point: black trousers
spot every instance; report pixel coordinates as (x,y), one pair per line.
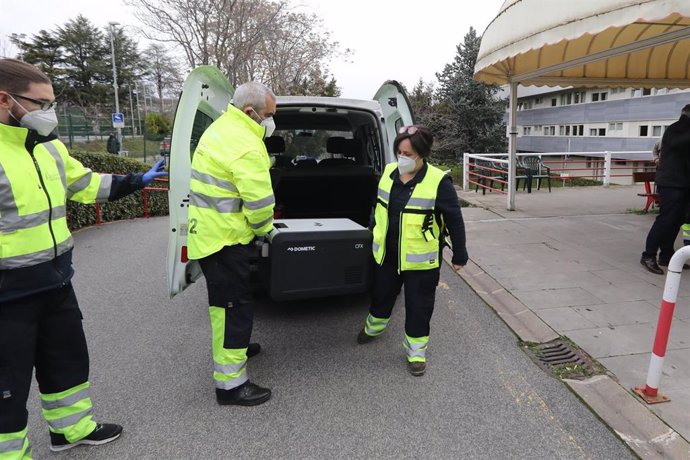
(420,295)
(673,210)
(229,286)
(44,331)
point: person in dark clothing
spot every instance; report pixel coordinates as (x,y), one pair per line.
(673,185)
(40,319)
(416,206)
(113,145)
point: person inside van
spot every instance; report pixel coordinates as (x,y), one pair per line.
(416,205)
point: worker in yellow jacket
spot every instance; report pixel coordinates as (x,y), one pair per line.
(40,320)
(230,204)
(415,207)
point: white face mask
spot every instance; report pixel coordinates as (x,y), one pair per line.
(269,124)
(43,121)
(406,165)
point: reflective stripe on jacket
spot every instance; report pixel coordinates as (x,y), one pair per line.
(34,187)
(419,230)
(231,199)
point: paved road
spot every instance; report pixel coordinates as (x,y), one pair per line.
(481,397)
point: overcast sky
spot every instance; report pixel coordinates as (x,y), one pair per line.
(402,40)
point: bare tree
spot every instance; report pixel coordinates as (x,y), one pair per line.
(161,71)
(247,39)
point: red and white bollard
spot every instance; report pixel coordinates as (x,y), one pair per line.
(650,391)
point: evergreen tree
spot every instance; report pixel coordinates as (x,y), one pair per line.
(43,50)
(471,112)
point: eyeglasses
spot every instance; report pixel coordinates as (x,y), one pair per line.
(43,104)
(410,130)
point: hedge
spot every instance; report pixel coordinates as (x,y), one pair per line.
(83,215)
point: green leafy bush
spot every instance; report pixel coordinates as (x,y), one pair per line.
(83,215)
(157,125)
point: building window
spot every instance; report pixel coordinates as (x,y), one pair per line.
(561,130)
(646,91)
(526,130)
(554,102)
(552,130)
(539,100)
(612,126)
(600,96)
(656,131)
(592,131)
(602,131)
(644,131)
(619,126)
(567,130)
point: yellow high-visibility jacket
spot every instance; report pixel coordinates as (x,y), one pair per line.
(231,199)
(420,232)
(37,176)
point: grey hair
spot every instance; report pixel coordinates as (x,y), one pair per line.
(252,94)
(686,110)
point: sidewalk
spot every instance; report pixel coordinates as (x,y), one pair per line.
(569,261)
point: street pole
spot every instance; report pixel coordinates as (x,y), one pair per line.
(131,108)
(136,92)
(118,132)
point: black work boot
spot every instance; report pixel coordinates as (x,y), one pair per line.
(664,263)
(363,337)
(650,264)
(247,394)
(416,368)
(253,349)
(102,434)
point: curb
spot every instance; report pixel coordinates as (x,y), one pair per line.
(637,426)
(523,321)
(645,433)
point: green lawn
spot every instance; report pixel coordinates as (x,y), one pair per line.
(134,145)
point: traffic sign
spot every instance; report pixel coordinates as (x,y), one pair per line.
(118,120)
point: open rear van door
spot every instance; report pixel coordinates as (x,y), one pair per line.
(205,96)
(396,108)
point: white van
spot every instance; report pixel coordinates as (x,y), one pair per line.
(328,154)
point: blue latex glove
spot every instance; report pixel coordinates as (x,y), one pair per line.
(155,172)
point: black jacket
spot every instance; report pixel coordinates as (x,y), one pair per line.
(447,205)
(21,282)
(674,162)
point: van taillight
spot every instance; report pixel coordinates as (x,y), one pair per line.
(183,255)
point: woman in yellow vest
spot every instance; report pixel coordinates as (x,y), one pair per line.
(416,205)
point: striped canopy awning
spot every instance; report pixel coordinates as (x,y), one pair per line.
(588,43)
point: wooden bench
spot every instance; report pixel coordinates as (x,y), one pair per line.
(647,177)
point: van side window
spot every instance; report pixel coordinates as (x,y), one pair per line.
(201,122)
(398,125)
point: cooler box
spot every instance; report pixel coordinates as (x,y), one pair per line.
(317,257)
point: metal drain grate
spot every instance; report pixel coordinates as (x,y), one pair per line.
(558,353)
(563,359)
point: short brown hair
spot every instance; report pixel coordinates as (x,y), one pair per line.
(16,75)
(420,137)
